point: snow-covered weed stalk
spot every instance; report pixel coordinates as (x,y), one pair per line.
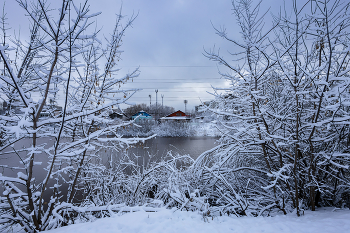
(285,118)
(165,184)
(58,85)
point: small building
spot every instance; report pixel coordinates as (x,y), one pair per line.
(57,110)
(118,115)
(177,116)
(141,115)
(44,114)
(51,111)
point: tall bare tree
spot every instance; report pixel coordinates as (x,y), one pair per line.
(58,86)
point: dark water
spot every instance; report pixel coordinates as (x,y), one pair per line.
(156,148)
(161,148)
(153,150)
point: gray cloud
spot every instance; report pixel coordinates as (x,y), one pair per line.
(167,42)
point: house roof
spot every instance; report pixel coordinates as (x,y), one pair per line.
(143,113)
(177,114)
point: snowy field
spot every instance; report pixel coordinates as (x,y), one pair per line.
(324,220)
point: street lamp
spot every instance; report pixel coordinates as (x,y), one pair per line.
(162,100)
(156,102)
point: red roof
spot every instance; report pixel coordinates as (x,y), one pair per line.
(177,114)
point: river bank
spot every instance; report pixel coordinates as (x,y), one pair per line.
(171,129)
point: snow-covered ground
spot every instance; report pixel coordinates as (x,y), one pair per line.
(324,220)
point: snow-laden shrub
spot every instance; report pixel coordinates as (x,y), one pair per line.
(165,129)
(285,116)
(59,85)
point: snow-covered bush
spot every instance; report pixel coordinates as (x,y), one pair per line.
(285,117)
(175,129)
(147,128)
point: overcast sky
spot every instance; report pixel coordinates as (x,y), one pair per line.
(167,41)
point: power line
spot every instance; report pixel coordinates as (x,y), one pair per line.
(170,88)
(180,97)
(176,79)
(192,66)
(158,81)
(213,78)
(179,101)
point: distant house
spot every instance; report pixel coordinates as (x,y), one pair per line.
(44,114)
(118,115)
(51,110)
(177,116)
(141,115)
(15,109)
(57,110)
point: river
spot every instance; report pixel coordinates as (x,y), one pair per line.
(152,150)
(160,148)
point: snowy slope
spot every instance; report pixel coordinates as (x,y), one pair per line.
(167,221)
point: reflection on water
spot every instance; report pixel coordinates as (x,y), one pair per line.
(158,147)
(153,150)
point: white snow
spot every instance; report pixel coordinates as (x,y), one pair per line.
(171,221)
(206,129)
(175,118)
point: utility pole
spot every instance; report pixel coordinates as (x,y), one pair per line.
(156,102)
(150,100)
(185,101)
(162,100)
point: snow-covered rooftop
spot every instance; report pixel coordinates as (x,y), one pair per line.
(175,118)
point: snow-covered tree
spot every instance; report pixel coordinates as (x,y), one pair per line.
(57,84)
(284,119)
(311,51)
